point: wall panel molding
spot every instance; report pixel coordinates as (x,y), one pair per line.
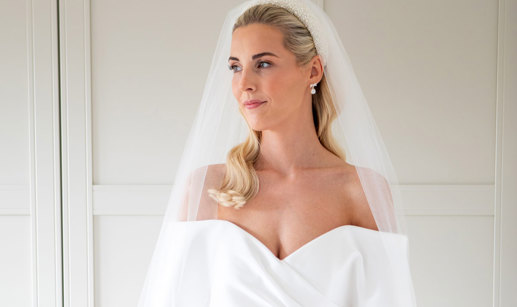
(42,199)
(505,228)
(76,149)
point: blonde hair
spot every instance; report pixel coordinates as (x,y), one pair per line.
(240,182)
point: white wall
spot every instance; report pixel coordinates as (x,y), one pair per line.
(94,114)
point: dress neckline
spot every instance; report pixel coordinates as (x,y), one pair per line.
(248,235)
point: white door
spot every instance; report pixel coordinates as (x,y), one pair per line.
(30,187)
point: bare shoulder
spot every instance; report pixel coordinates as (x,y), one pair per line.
(216,171)
(361,213)
(201,179)
(214,175)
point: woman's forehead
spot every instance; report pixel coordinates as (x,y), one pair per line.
(254,39)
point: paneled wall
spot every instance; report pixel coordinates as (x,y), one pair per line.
(97,98)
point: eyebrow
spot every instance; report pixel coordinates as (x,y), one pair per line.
(258,55)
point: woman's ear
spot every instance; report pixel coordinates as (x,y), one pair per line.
(316,69)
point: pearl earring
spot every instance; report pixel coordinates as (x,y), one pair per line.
(313,90)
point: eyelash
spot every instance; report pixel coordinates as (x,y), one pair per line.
(230,67)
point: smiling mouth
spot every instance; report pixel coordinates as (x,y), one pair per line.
(254,105)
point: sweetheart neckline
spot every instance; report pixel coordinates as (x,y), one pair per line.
(298,250)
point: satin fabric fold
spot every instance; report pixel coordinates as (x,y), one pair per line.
(223,265)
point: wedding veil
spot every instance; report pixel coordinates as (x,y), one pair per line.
(218,127)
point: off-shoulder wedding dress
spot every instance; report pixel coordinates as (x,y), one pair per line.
(227,266)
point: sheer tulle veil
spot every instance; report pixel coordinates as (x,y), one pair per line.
(218,127)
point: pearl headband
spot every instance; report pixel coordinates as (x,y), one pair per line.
(304,13)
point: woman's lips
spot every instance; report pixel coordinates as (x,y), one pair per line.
(254,105)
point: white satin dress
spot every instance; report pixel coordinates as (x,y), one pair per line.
(218,263)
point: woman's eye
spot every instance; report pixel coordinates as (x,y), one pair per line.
(232,67)
(264,63)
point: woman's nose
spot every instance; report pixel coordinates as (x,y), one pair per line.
(247,80)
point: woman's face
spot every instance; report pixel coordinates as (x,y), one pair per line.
(264,70)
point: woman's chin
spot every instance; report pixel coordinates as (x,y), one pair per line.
(257,126)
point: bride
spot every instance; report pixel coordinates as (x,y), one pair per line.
(288,216)
(306,188)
